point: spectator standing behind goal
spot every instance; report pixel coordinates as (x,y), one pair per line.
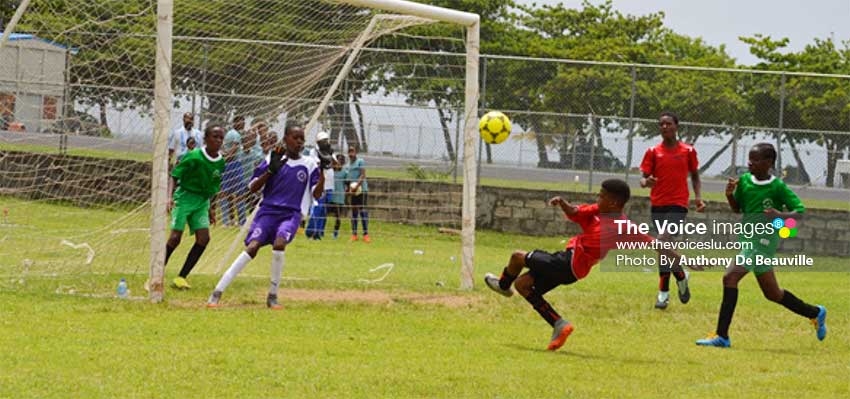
(323,154)
(177,140)
(358,189)
(190,144)
(665,170)
(232,183)
(336,205)
(194,183)
(250,157)
(286,179)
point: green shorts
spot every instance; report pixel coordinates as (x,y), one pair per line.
(747,259)
(190,208)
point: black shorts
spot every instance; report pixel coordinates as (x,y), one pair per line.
(671,213)
(550,270)
(359,200)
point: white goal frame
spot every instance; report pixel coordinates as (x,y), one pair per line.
(163,109)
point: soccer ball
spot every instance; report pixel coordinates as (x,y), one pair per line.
(354,188)
(494,127)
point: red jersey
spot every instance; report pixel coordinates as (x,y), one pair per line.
(671,167)
(599,235)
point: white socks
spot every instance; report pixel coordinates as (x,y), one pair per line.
(231,272)
(277,269)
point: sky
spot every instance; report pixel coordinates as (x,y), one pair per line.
(723,21)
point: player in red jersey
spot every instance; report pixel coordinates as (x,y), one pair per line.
(665,170)
(549,270)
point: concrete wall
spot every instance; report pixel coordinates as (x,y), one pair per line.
(523,211)
(81,181)
(89,181)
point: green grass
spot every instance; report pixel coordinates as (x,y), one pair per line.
(477,345)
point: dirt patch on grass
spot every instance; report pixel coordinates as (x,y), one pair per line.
(370,297)
(376,297)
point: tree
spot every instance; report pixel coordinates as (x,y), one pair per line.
(437,80)
(7,10)
(113,53)
(820,104)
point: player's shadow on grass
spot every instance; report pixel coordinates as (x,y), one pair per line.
(566,351)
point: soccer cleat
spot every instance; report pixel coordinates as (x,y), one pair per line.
(214,298)
(562,331)
(353,238)
(684,290)
(336,235)
(366,238)
(715,340)
(493,282)
(181,283)
(271,302)
(820,323)
(662,300)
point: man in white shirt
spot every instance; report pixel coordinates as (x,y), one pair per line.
(323,153)
(177,140)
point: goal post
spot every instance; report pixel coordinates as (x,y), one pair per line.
(162,124)
(472,23)
(163,111)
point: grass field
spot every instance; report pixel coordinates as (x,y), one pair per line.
(413,334)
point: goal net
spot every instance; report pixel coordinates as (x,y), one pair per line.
(77,139)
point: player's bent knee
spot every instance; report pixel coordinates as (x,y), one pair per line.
(773,296)
(524,285)
(518,257)
(730,280)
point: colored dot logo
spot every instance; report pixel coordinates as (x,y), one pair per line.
(787,228)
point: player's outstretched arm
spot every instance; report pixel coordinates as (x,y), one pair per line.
(569,209)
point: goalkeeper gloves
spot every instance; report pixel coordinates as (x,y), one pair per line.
(277,159)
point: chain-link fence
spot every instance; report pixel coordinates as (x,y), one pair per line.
(602,117)
(573,120)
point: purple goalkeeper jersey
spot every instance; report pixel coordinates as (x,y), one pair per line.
(291,187)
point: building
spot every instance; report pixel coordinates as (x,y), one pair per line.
(33,84)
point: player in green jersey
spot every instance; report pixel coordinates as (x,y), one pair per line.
(761,197)
(197,179)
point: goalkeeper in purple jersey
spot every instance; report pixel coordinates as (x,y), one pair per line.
(289,183)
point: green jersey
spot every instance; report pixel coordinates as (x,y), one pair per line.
(198,173)
(754,197)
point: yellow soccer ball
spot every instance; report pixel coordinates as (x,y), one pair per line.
(494,127)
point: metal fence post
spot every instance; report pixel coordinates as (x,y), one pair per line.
(419,143)
(482,95)
(203,88)
(458,115)
(781,124)
(593,131)
(734,163)
(631,122)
